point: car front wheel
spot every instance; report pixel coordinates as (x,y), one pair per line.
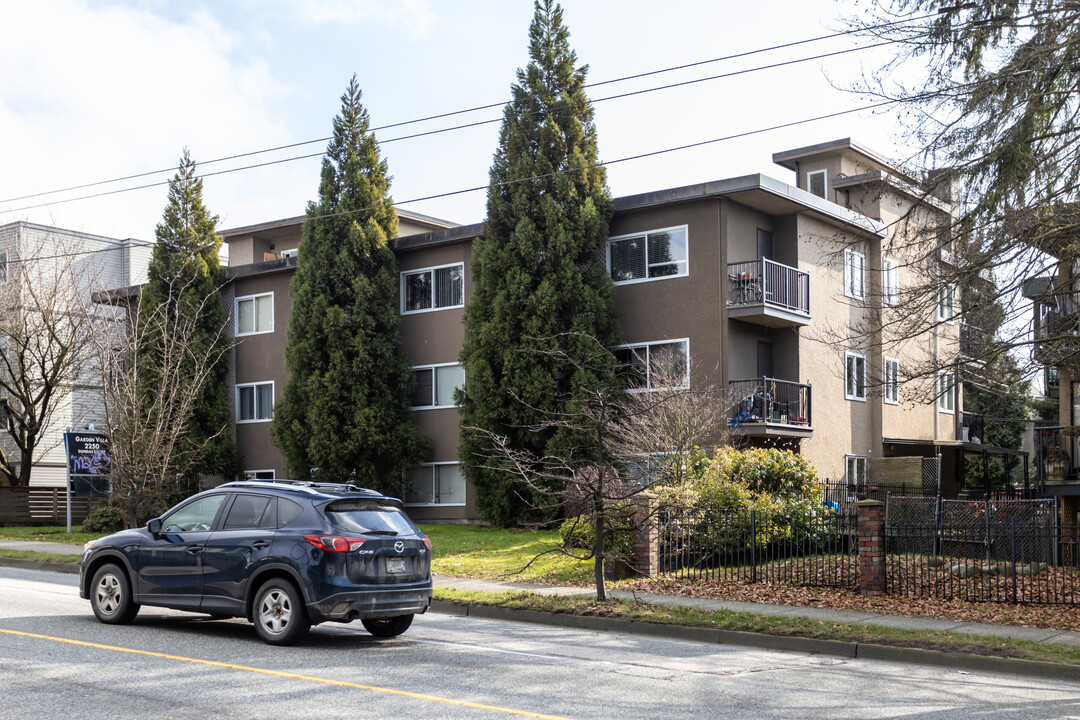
(387,626)
(110,596)
(280,618)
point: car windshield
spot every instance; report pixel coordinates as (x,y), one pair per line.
(369,517)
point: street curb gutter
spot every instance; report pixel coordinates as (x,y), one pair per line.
(839,648)
(26,563)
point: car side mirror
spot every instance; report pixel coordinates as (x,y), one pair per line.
(154,526)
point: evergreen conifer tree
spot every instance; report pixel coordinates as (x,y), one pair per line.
(185,277)
(345,411)
(539,277)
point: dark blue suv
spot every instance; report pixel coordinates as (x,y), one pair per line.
(283,554)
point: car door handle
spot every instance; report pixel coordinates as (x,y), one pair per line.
(195,549)
(260,544)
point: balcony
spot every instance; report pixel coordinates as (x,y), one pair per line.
(768,293)
(769,407)
(1057,330)
(972,428)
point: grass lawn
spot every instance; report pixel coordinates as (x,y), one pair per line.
(496,554)
(55,534)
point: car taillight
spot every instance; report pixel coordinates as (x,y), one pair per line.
(335,543)
(427,542)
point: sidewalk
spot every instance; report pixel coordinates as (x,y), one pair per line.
(795,644)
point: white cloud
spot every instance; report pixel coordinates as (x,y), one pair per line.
(110,90)
(414,16)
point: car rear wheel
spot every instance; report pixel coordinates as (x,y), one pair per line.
(387,626)
(280,618)
(110,596)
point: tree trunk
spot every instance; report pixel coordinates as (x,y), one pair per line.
(598,553)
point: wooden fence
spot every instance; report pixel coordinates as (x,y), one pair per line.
(41,506)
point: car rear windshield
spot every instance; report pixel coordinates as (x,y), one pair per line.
(370,517)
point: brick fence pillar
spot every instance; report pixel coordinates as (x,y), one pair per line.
(646,536)
(871,547)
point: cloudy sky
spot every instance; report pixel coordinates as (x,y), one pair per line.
(99,90)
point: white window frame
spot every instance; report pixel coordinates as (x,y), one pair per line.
(852,463)
(824,183)
(645,234)
(254,300)
(250,474)
(433,465)
(255,385)
(290,253)
(946,392)
(435,385)
(849,274)
(891,385)
(946,299)
(848,369)
(434,293)
(890,281)
(647,345)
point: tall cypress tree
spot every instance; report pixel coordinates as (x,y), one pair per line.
(185,277)
(539,278)
(345,409)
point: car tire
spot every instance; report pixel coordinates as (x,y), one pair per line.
(387,626)
(279,614)
(110,596)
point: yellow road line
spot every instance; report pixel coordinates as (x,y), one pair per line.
(292,676)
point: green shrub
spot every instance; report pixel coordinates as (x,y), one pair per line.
(105,519)
(580,532)
(782,474)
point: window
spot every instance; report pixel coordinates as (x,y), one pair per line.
(3,267)
(946,400)
(196,516)
(435,385)
(854,376)
(436,288)
(854,274)
(254,402)
(249,511)
(259,475)
(815,183)
(855,471)
(892,381)
(890,285)
(255,314)
(290,253)
(435,484)
(653,366)
(945,302)
(648,256)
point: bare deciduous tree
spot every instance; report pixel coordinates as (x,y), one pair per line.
(153,373)
(591,471)
(46,326)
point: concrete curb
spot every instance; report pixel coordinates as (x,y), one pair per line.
(837,648)
(28,564)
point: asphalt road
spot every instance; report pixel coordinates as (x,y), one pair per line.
(57,661)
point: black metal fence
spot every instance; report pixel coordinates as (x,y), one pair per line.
(798,549)
(1014,562)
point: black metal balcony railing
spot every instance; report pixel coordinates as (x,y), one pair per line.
(770,401)
(972,427)
(763,281)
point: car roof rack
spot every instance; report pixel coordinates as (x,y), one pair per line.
(308,485)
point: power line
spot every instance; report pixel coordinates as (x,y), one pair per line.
(489,106)
(533,178)
(439,131)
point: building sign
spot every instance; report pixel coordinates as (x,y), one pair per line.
(88,463)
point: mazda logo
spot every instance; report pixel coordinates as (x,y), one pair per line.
(399,546)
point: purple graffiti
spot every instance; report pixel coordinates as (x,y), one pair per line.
(95,464)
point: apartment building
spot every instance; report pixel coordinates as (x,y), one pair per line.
(1056,326)
(766,286)
(70,266)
